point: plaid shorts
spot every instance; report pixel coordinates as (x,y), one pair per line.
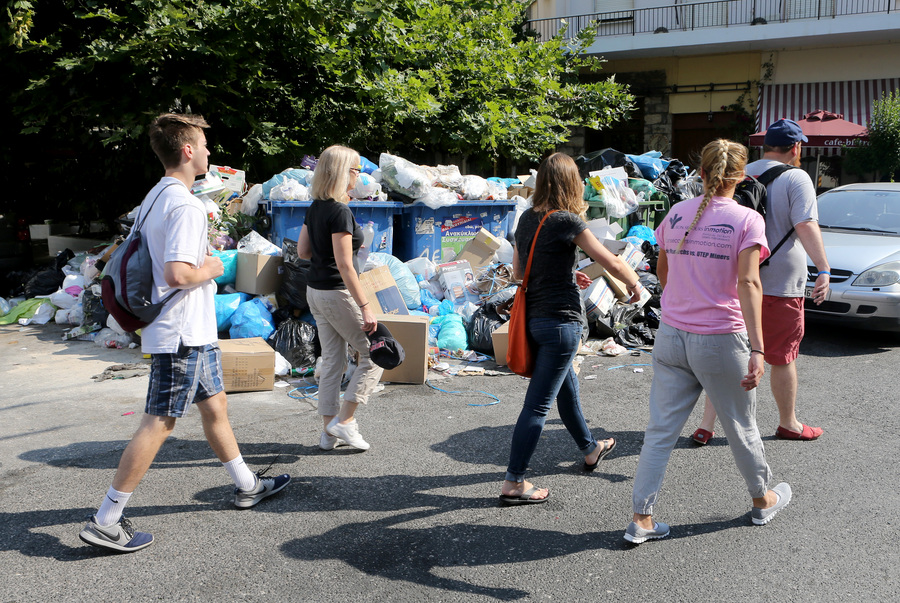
(178,380)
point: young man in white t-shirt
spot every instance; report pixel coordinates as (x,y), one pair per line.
(186,363)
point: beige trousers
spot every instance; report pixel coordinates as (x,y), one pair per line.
(339,322)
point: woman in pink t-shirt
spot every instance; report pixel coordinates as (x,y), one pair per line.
(710,337)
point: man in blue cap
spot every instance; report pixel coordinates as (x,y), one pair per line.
(791,212)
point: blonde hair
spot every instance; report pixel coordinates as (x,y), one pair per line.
(331,177)
(559,186)
(723,163)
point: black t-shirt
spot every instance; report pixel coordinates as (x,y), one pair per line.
(552,291)
(324,218)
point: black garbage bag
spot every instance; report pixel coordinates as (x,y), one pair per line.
(296,273)
(598,160)
(296,341)
(15,282)
(94,312)
(44,282)
(484,322)
(636,335)
(501,302)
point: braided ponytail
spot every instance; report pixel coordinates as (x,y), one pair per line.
(722,161)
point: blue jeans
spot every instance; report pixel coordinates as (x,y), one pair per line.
(556,343)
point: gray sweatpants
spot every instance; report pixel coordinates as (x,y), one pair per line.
(685,364)
(339,322)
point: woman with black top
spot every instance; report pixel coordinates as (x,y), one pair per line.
(554,319)
(331,238)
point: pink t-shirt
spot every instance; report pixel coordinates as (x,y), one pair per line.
(701,287)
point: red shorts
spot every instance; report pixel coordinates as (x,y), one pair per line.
(782,323)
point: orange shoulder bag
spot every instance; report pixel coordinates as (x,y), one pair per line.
(519,356)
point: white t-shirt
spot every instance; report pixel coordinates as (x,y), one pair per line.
(176,231)
(791,200)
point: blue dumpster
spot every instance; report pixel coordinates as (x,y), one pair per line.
(441,233)
(287,220)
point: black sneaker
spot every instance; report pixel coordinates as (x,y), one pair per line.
(265,486)
(120,537)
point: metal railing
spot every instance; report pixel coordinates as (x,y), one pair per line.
(724,13)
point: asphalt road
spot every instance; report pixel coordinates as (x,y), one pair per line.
(416,517)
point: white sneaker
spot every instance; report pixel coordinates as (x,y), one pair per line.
(329,442)
(349,432)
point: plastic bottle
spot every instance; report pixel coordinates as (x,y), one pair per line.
(368,237)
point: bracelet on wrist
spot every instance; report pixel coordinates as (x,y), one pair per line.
(364,305)
(821,272)
(752,351)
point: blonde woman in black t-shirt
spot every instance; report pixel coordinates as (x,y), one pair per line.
(554,319)
(330,239)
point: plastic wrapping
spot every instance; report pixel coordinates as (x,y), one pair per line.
(289,190)
(404,176)
(436,197)
(107,338)
(250,201)
(253,242)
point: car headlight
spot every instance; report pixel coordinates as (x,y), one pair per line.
(879,276)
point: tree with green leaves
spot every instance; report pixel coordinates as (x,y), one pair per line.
(280,79)
(882,153)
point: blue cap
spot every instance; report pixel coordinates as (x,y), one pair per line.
(784,133)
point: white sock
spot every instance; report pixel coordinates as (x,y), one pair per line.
(111,509)
(240,473)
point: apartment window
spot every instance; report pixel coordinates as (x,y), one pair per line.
(611,6)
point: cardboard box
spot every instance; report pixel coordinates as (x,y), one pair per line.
(258,274)
(248,365)
(500,337)
(632,256)
(382,292)
(232,179)
(480,251)
(598,298)
(455,278)
(412,333)
(619,289)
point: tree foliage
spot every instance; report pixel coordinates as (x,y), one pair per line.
(279,79)
(882,154)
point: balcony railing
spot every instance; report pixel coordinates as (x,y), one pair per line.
(724,13)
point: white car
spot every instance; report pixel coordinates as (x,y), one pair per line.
(861,230)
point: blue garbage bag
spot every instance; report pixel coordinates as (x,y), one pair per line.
(229,261)
(226,305)
(300,175)
(649,163)
(644,233)
(251,319)
(367,166)
(452,335)
(403,276)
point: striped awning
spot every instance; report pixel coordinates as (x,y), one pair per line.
(793,101)
(853,99)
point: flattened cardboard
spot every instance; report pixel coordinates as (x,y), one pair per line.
(479,252)
(248,365)
(382,292)
(500,337)
(258,274)
(412,333)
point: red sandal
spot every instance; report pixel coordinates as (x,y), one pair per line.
(702,437)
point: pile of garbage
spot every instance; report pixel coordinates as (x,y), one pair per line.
(465,300)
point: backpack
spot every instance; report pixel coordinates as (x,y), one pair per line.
(127,283)
(752,192)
